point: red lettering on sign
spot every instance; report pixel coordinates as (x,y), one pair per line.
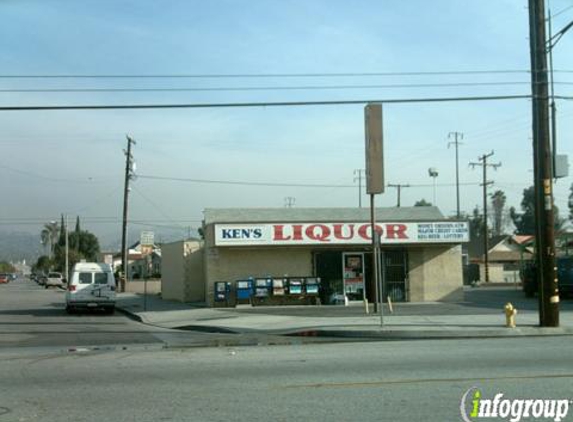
(297,232)
(321,234)
(396,231)
(278,232)
(338,231)
(364,231)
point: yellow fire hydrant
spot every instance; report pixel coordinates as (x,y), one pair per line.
(510,313)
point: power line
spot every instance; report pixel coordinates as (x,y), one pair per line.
(272,88)
(245,183)
(561,11)
(154,205)
(275,184)
(266,104)
(266,75)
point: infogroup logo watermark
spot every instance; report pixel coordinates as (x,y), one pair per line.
(474,407)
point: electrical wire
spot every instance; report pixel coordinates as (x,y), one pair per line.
(153,204)
(562,11)
(46,178)
(265,104)
(272,88)
(277,184)
(266,75)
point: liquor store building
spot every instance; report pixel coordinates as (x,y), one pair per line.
(421,250)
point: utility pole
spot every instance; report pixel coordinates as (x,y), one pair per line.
(542,160)
(289,201)
(360,173)
(129,175)
(398,189)
(484,164)
(456,142)
(67,251)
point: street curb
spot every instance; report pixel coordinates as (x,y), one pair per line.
(131,315)
(431,335)
(371,334)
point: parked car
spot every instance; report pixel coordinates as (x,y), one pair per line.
(54,279)
(564,277)
(4,278)
(91,286)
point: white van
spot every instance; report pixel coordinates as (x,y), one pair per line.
(91,285)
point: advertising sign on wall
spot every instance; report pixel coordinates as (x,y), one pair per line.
(292,234)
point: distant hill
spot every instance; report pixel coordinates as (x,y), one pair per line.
(17,246)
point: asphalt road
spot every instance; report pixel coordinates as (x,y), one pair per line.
(385,381)
(34,317)
(31,316)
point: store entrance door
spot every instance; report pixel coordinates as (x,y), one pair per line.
(353,275)
(330,267)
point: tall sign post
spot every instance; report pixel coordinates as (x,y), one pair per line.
(375,185)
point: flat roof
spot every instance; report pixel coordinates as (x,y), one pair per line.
(271,215)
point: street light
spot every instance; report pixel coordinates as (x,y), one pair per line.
(433,173)
(550,44)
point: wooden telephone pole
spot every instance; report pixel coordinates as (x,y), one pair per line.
(129,175)
(542,167)
(484,164)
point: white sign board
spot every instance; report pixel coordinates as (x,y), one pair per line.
(147,238)
(292,234)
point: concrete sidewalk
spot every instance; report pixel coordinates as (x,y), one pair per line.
(349,323)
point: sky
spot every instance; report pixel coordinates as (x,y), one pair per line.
(72,162)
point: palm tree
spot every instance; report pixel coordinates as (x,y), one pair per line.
(498,200)
(49,235)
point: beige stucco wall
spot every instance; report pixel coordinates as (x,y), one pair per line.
(195,288)
(435,273)
(139,286)
(230,264)
(172,271)
(182,271)
(495,271)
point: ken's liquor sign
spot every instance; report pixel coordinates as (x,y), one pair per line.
(293,234)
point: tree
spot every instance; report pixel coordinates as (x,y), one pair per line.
(42,265)
(6,267)
(75,240)
(525,222)
(498,200)
(49,235)
(88,249)
(422,203)
(476,224)
(62,238)
(571,203)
